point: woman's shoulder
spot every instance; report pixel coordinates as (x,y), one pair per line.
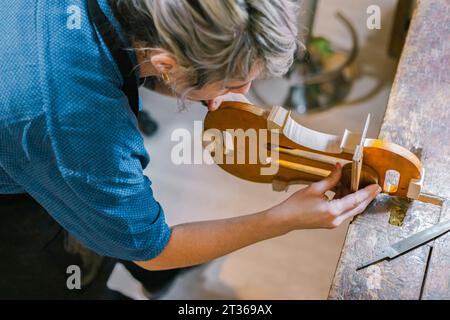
(71,50)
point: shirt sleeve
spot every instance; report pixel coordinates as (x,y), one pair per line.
(73,142)
(87,172)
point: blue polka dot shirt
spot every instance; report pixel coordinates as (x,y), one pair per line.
(68,136)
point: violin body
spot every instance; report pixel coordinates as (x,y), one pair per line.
(303,155)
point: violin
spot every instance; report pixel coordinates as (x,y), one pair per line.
(290,153)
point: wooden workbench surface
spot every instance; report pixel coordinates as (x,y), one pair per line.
(418,118)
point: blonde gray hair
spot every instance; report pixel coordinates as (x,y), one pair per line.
(215,40)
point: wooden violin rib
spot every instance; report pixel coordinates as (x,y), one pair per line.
(311,139)
(280,118)
(303,154)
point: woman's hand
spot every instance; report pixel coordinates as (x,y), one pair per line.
(310,208)
(199,242)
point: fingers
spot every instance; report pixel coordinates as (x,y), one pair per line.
(355,200)
(354,212)
(328,183)
(214,104)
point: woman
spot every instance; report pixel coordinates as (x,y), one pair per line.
(71,154)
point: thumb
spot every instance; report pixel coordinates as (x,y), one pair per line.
(330,182)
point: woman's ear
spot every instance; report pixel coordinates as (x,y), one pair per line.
(163,62)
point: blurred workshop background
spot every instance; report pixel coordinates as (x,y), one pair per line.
(300,265)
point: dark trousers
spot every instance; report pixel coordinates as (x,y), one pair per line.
(37,255)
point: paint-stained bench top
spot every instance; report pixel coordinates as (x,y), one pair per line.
(418,118)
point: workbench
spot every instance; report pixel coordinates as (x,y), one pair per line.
(418,118)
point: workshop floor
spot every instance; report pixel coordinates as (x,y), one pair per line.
(299,265)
